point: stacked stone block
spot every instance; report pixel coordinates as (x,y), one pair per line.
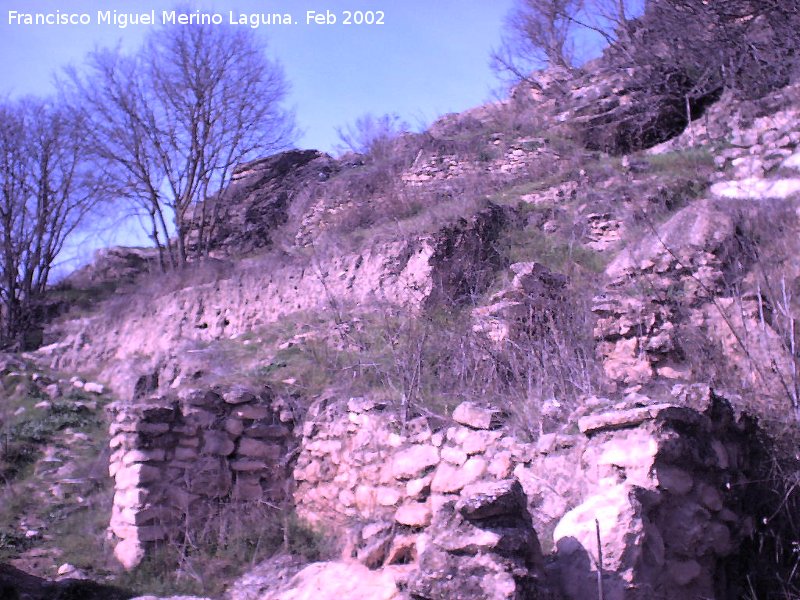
(174,458)
(662,481)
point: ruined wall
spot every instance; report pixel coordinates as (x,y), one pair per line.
(138,333)
(662,480)
(174,457)
(664,483)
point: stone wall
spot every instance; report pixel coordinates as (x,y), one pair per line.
(140,333)
(661,481)
(499,161)
(174,457)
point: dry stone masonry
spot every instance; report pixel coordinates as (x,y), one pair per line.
(510,161)
(763,159)
(173,458)
(661,480)
(143,336)
(665,486)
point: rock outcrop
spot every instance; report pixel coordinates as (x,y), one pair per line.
(480,546)
(763,158)
(680,266)
(257,201)
(535,296)
(663,497)
(135,335)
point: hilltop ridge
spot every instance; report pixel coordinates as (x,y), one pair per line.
(456,366)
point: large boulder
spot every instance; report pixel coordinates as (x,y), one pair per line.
(481,546)
(258,200)
(287,578)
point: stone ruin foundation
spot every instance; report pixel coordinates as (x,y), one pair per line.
(173,457)
(664,481)
(663,478)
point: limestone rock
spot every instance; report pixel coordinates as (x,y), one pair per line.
(239,395)
(448,478)
(481,547)
(414,461)
(619,419)
(129,552)
(477,417)
(336,581)
(93,387)
(414,514)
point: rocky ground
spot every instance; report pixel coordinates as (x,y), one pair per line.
(524,357)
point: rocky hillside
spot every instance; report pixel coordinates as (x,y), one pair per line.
(545,349)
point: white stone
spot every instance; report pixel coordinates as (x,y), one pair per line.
(93,387)
(141,456)
(793,162)
(129,553)
(500,465)
(414,461)
(619,419)
(135,474)
(340,581)
(477,417)
(414,514)
(756,188)
(454,456)
(417,487)
(448,478)
(386,496)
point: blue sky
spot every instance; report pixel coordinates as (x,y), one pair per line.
(429,58)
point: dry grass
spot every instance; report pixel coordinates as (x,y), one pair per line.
(230,538)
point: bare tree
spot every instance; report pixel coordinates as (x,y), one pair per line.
(675,56)
(537,33)
(748,46)
(47,189)
(370,134)
(171,121)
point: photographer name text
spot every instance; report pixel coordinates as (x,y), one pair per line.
(122,20)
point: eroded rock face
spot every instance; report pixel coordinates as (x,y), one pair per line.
(681,266)
(135,335)
(258,200)
(480,546)
(614,110)
(465,257)
(678,306)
